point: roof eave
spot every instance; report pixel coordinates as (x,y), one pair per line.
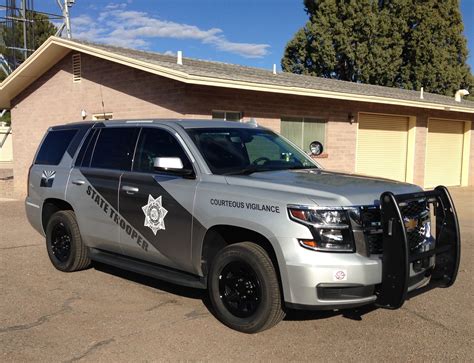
(55,48)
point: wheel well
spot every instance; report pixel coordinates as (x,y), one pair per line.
(218,237)
(51,206)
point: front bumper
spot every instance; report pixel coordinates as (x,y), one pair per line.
(318,280)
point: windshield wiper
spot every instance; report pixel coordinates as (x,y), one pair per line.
(248,170)
(300,167)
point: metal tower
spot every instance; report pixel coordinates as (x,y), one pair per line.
(17,26)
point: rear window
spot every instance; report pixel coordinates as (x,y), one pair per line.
(54,146)
(114,148)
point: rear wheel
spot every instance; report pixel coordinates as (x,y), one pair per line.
(244,288)
(65,248)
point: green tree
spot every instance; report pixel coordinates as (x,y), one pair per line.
(399,43)
(42,28)
(435,50)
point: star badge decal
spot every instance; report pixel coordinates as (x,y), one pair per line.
(154,214)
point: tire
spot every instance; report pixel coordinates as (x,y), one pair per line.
(65,248)
(251,305)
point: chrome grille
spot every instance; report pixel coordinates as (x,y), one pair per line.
(371,224)
(415,212)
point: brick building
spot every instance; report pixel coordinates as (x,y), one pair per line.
(388,132)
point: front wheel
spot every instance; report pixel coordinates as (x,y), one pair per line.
(244,288)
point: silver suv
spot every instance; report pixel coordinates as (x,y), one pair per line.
(239,210)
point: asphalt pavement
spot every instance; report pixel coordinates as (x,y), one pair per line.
(105,314)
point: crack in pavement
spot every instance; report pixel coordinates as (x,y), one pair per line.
(172,302)
(91,349)
(196,314)
(13,247)
(66,307)
(429,320)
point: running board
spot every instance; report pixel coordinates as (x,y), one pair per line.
(148,269)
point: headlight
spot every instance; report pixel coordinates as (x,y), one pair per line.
(330,228)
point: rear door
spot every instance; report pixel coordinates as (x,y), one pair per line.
(93,184)
(157,205)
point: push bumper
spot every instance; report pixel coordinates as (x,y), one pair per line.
(319,280)
(397,257)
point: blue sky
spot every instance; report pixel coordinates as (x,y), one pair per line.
(250,32)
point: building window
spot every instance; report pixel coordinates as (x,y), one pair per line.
(227,115)
(302,131)
(76,68)
(102,116)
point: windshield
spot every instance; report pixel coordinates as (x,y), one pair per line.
(245,151)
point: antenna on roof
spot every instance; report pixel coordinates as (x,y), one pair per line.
(179,60)
(274,69)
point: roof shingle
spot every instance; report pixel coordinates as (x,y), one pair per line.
(235,72)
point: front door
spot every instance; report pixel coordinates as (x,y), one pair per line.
(157,205)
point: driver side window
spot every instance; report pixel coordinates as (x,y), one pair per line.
(153,143)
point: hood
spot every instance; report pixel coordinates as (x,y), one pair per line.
(325,188)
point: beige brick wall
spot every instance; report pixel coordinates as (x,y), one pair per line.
(130,93)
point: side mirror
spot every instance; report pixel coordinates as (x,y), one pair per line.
(173,165)
(316,148)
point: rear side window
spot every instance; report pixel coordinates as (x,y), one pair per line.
(54,146)
(84,156)
(114,148)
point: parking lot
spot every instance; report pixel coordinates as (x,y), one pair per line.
(105,314)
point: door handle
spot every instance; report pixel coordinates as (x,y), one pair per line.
(129,189)
(78,182)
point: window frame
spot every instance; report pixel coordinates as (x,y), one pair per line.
(43,143)
(178,141)
(225,112)
(103,116)
(303,118)
(99,133)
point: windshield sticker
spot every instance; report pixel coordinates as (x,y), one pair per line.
(117,218)
(245,205)
(47,178)
(154,214)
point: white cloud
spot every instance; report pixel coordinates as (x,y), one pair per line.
(116,25)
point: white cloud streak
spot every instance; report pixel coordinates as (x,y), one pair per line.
(116,25)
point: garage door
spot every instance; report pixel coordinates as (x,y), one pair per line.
(382,143)
(444,147)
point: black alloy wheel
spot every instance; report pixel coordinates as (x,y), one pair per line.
(61,242)
(244,288)
(66,250)
(240,289)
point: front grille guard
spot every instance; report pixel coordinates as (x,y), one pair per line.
(392,292)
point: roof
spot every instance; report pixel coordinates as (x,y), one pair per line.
(201,72)
(184,123)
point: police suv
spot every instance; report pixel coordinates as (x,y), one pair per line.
(240,211)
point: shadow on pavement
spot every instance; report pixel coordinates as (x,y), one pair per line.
(191,293)
(352,314)
(183,291)
(187,292)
